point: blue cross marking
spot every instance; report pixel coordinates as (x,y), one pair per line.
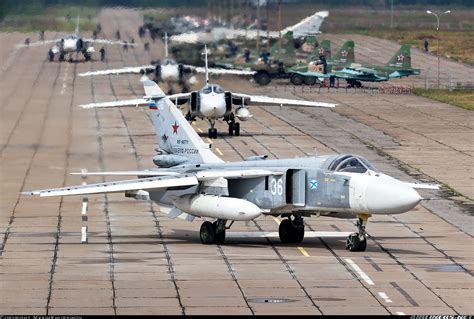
(313,184)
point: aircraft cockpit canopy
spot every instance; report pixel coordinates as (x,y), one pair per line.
(351,164)
(212,88)
(70,37)
(168,62)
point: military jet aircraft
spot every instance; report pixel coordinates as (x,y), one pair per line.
(213,103)
(308,26)
(398,66)
(320,64)
(73,43)
(169,71)
(192,181)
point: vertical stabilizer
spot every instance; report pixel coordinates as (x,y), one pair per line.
(287,47)
(174,134)
(402,58)
(345,55)
(324,48)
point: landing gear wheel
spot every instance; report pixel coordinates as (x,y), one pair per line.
(298,234)
(358,84)
(207,233)
(297,79)
(212,133)
(220,236)
(285,231)
(354,243)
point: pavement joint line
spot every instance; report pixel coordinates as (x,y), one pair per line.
(384,296)
(219,151)
(303,251)
(359,271)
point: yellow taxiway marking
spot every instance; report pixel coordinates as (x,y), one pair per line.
(219,151)
(193,123)
(209,140)
(200,131)
(277,220)
(303,251)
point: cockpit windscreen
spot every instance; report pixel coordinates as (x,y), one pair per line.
(351,164)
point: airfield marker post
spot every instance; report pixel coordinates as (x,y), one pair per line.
(438,16)
(85,204)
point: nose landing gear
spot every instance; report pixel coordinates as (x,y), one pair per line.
(358,241)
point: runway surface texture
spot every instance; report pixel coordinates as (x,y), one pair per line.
(139,261)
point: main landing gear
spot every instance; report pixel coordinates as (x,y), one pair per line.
(291,231)
(354,84)
(358,241)
(213,233)
(234,127)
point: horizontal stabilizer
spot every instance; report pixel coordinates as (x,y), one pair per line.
(260,99)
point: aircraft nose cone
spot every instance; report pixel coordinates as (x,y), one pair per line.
(390,196)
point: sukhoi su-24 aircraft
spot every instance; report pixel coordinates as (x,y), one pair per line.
(192,182)
(73,43)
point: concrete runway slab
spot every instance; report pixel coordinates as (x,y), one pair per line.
(139,261)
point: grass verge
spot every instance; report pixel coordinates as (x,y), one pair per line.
(462,98)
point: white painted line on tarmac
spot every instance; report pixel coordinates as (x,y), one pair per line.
(401,313)
(384,296)
(84,234)
(359,271)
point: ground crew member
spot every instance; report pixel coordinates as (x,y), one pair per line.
(117,35)
(102,54)
(146,46)
(247,55)
(426,44)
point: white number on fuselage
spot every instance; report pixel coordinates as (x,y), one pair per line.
(277,187)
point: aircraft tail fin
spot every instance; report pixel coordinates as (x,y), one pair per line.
(174,134)
(345,54)
(309,25)
(324,48)
(402,58)
(77,25)
(287,46)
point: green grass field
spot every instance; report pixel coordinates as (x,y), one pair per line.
(460,98)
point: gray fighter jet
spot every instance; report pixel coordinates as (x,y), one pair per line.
(192,181)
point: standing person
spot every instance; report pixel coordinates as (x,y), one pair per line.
(247,55)
(102,54)
(125,46)
(117,34)
(42,35)
(146,46)
(426,45)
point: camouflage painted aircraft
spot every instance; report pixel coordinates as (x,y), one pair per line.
(191,181)
(320,63)
(398,66)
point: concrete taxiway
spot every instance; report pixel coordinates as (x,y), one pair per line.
(137,261)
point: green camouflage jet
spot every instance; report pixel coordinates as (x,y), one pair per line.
(320,63)
(398,66)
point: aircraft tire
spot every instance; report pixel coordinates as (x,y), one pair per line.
(207,233)
(231,129)
(285,231)
(297,79)
(353,243)
(220,237)
(298,234)
(212,133)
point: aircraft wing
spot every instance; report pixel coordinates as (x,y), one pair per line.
(261,99)
(104,41)
(222,71)
(36,44)
(149,183)
(128,173)
(133,69)
(119,186)
(134,102)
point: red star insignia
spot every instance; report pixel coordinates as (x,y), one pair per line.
(175,128)
(344,53)
(321,50)
(401,57)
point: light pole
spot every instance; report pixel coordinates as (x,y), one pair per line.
(437,29)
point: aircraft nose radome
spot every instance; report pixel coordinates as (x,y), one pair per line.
(390,196)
